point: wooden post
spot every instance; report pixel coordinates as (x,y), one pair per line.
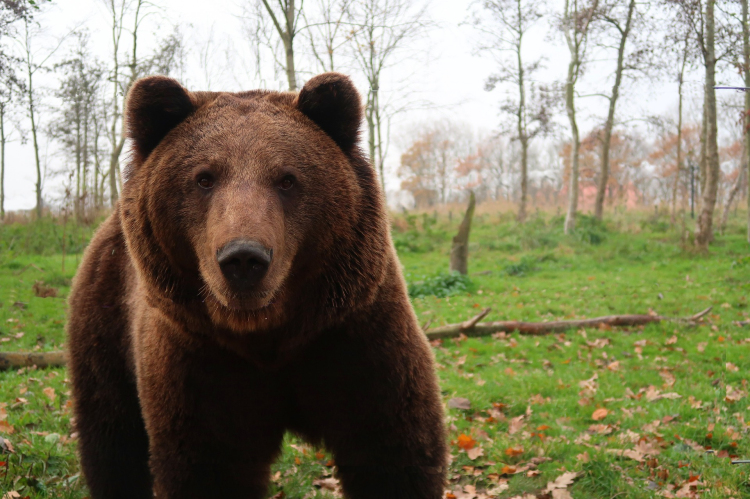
(460,249)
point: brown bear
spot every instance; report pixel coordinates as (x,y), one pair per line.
(244,286)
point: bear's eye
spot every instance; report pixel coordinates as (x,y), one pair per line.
(205,181)
(286,183)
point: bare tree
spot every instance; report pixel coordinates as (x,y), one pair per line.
(286,19)
(576,23)
(715,40)
(381,29)
(73,127)
(746,122)
(328,31)
(503,24)
(34,61)
(119,10)
(685,52)
(621,22)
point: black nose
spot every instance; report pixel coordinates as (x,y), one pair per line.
(244,263)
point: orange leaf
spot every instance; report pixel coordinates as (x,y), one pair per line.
(465,442)
(542,427)
(319,455)
(514,451)
(508,470)
(599,414)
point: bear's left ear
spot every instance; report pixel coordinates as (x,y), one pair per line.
(332,102)
(155,105)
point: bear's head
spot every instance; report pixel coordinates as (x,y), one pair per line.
(252,209)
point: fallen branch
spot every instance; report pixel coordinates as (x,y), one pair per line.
(15,360)
(472,327)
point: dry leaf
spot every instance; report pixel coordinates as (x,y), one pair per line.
(561,494)
(514,451)
(515,425)
(459,403)
(668,377)
(734,395)
(465,442)
(327,483)
(5,427)
(599,414)
(562,481)
(50,393)
(475,453)
(732,368)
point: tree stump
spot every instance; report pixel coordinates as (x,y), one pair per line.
(460,248)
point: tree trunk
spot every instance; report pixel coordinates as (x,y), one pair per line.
(746,54)
(460,248)
(733,194)
(705,221)
(2,161)
(681,81)
(38,163)
(570,217)
(522,130)
(609,125)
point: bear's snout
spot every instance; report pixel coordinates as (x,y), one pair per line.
(244,263)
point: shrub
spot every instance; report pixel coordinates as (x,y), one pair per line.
(440,285)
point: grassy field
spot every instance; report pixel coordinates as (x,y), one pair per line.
(647,412)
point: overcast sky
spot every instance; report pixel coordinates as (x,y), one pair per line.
(446,70)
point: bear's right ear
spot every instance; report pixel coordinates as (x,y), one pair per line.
(155,105)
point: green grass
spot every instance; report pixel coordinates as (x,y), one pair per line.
(632,264)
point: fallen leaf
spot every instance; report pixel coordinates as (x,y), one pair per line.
(734,395)
(50,393)
(6,427)
(599,414)
(515,425)
(732,368)
(514,451)
(668,377)
(465,442)
(459,403)
(562,481)
(327,483)
(475,453)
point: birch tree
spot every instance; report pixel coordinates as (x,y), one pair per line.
(504,24)
(576,23)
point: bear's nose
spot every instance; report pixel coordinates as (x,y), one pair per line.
(244,263)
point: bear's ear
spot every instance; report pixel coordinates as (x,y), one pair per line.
(155,105)
(332,102)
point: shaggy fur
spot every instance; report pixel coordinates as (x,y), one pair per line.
(183,385)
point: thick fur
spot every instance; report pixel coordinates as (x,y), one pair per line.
(184,388)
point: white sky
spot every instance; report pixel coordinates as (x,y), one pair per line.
(446,69)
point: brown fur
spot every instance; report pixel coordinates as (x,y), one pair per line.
(184,387)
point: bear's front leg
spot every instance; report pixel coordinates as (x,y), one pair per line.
(214,424)
(375,403)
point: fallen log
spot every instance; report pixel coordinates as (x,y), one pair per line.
(472,327)
(15,360)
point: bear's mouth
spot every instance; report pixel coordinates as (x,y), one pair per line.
(246,302)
